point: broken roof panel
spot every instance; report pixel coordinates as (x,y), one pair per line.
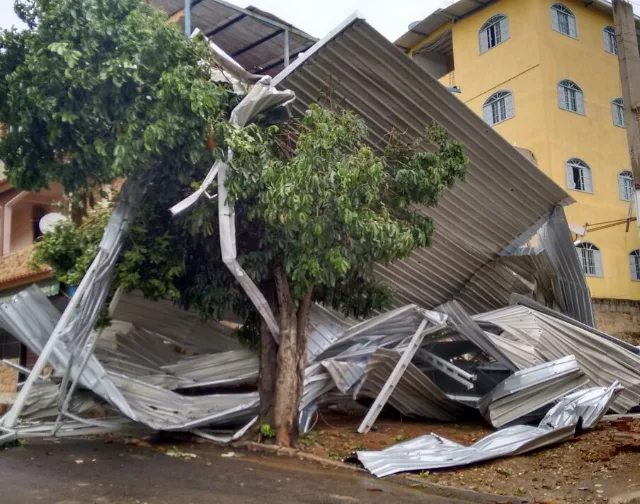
(254,38)
(504,199)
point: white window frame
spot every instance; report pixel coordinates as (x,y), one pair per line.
(571,97)
(496,30)
(634,265)
(563,20)
(625,185)
(498,108)
(617,112)
(590,259)
(584,177)
(609,40)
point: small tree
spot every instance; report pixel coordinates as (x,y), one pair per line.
(317,206)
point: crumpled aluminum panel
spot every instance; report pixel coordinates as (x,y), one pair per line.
(602,358)
(415,395)
(588,405)
(477,220)
(527,391)
(435,452)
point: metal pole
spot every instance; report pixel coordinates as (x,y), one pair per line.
(187,18)
(286,48)
(395,376)
(629,60)
(11,417)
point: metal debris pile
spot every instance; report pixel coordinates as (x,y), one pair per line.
(161,368)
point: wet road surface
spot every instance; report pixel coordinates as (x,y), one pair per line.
(82,471)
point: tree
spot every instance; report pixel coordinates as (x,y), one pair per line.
(316,205)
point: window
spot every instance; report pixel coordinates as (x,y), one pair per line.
(9,346)
(590,259)
(493,32)
(498,108)
(617,109)
(563,20)
(579,176)
(634,264)
(625,185)
(570,97)
(609,38)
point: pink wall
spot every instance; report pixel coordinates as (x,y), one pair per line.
(17,215)
(21,226)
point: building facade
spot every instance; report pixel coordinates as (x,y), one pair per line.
(545,75)
(20,213)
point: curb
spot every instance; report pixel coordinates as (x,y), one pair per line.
(407,480)
(292,452)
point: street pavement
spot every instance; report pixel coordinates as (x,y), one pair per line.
(79,471)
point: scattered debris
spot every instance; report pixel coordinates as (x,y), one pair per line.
(175,452)
(159,368)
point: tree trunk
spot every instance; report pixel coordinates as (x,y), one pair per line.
(291,360)
(267,376)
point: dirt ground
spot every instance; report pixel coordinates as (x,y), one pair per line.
(602,465)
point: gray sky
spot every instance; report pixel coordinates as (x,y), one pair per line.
(317,17)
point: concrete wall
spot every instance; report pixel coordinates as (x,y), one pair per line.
(619,318)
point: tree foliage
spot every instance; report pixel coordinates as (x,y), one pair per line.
(103,89)
(106,89)
(330,206)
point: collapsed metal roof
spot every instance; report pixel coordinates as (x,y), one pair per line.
(256,39)
(501,204)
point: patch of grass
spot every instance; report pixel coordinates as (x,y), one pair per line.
(266,431)
(335,455)
(16,443)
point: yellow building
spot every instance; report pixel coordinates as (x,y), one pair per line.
(545,75)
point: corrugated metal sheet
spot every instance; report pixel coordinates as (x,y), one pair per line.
(435,452)
(574,297)
(245,34)
(415,394)
(603,359)
(504,196)
(183,327)
(527,391)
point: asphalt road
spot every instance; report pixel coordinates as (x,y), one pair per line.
(94,472)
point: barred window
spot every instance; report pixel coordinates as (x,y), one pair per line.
(609,39)
(498,107)
(617,110)
(625,185)
(634,264)
(579,176)
(590,259)
(570,97)
(493,32)
(563,20)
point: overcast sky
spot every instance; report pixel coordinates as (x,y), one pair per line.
(317,17)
